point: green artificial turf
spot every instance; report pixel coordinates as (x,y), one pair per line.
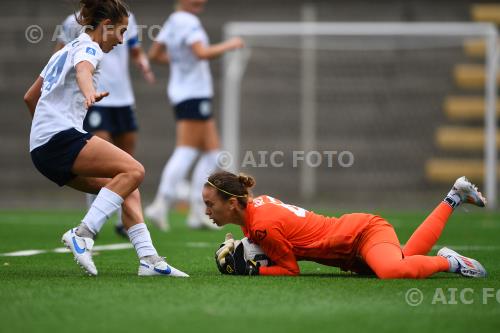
(49,293)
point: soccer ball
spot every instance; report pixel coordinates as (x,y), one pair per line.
(233,256)
(252,251)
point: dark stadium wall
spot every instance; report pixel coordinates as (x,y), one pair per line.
(21,62)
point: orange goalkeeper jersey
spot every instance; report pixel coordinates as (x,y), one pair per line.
(288,233)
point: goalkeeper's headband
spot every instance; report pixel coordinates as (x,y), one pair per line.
(234,195)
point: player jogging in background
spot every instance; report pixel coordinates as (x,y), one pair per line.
(184,44)
(113,118)
(63,152)
(361,243)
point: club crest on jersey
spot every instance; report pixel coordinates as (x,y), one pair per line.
(260,235)
(90,51)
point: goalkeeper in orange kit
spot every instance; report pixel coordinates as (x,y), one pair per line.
(361,243)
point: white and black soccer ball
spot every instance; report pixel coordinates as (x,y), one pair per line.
(252,251)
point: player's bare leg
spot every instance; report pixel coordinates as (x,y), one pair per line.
(150,262)
(100,159)
(126,142)
(105,135)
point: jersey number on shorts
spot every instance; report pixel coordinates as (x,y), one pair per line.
(55,71)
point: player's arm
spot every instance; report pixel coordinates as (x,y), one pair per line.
(158,53)
(84,73)
(278,249)
(137,54)
(216,50)
(141,61)
(33,94)
(287,265)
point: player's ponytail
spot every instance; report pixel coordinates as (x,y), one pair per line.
(93,12)
(246,180)
(229,185)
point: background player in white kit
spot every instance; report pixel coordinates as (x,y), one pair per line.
(63,152)
(113,118)
(184,44)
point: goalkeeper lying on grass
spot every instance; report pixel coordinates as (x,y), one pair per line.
(361,243)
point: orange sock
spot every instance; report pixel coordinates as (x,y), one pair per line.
(427,234)
(387,261)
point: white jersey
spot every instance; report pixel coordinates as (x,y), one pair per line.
(189,76)
(61,104)
(115,76)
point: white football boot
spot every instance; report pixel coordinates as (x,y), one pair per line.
(468,192)
(462,265)
(159,268)
(157,212)
(81,248)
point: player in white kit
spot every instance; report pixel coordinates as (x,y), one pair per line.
(66,154)
(113,118)
(184,44)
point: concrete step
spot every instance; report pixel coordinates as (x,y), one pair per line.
(458,138)
(475,48)
(471,76)
(446,170)
(466,107)
(486,12)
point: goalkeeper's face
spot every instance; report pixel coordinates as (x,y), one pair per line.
(220,211)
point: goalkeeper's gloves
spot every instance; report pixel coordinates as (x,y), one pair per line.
(252,267)
(225,266)
(230,259)
(225,248)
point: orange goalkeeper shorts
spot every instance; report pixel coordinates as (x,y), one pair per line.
(377,232)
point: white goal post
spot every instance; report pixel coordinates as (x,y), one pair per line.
(235,64)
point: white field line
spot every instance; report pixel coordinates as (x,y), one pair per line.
(202,245)
(123,246)
(110,247)
(25,253)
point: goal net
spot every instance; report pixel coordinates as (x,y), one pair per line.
(361,115)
